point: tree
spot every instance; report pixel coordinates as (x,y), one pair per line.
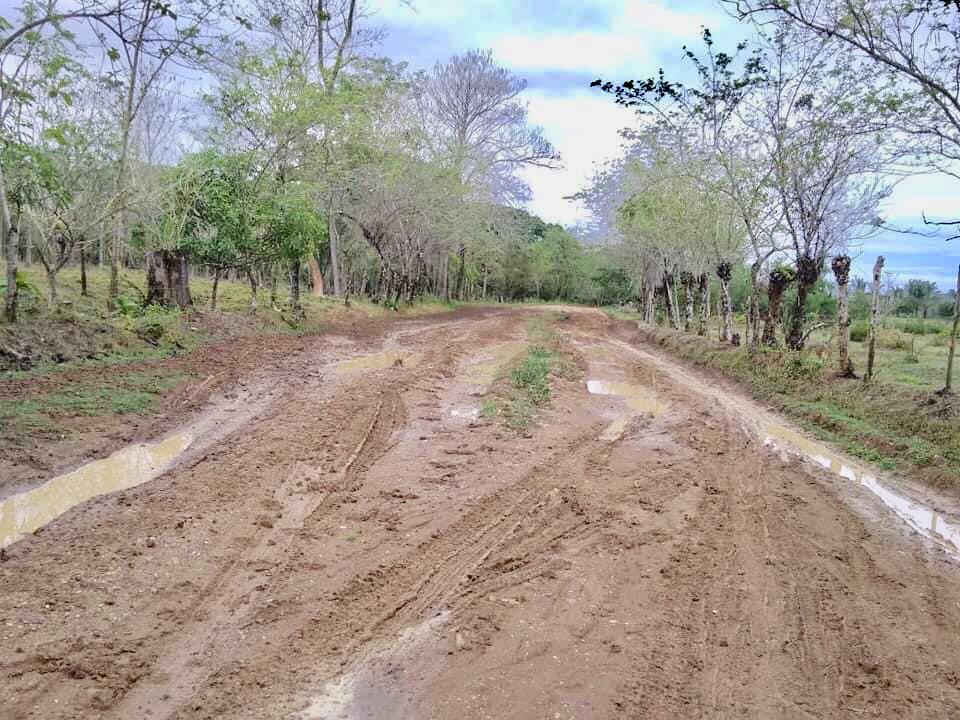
(725,153)
(915,50)
(221,198)
(67,201)
(825,171)
(329,36)
(34,64)
(841,271)
(921,294)
(781,277)
(474,123)
(293,228)
(140,40)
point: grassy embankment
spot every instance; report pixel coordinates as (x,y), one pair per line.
(522,387)
(896,422)
(130,345)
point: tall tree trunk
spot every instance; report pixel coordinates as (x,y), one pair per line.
(485,274)
(667,304)
(725,272)
(780,278)
(295,289)
(673,311)
(841,271)
(252,278)
(687,279)
(649,304)
(116,245)
(335,255)
(27,234)
(83,268)
(168,279)
(874,318)
(9,227)
(808,271)
(753,307)
(462,272)
(445,277)
(52,286)
(948,386)
(704,285)
(273,287)
(216,285)
(316,276)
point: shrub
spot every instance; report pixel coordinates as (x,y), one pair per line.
(531,375)
(892,340)
(157,323)
(859,331)
(803,367)
(916,327)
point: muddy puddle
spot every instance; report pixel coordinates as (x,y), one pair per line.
(925,520)
(635,397)
(25,513)
(378,361)
(483,371)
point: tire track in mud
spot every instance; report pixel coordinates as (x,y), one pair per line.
(221,599)
(228,607)
(676,570)
(769,603)
(216,612)
(439,575)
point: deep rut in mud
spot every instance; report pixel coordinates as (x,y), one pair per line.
(366,546)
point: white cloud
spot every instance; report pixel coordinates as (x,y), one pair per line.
(592,52)
(584,128)
(628,41)
(935,195)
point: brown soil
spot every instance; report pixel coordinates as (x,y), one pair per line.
(359,547)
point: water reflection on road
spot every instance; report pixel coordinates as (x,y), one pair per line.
(31,510)
(925,520)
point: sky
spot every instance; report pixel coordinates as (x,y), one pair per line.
(560,46)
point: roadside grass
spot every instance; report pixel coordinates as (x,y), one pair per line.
(80,332)
(896,422)
(132,393)
(523,387)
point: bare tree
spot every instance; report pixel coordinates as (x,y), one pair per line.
(476,122)
(141,39)
(914,49)
(825,171)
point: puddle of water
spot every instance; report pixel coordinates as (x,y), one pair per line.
(24,513)
(923,519)
(614,431)
(465,413)
(378,361)
(636,397)
(484,371)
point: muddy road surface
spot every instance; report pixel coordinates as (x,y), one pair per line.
(349,536)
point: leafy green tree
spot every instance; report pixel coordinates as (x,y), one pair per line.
(292,230)
(221,196)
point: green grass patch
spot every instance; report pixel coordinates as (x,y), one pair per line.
(128,394)
(896,422)
(527,388)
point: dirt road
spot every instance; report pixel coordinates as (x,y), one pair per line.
(350,539)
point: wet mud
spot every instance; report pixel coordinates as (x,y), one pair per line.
(351,539)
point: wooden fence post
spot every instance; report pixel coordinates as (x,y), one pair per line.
(953,337)
(874,317)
